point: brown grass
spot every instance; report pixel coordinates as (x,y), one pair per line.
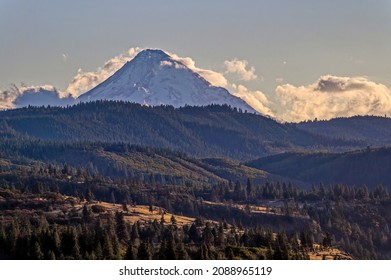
(141,213)
(329,254)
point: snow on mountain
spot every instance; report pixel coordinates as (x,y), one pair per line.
(155,78)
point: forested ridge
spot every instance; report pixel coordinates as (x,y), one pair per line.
(115,180)
(60,211)
(211,131)
(367,167)
(372,130)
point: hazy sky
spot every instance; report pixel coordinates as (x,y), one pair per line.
(287,42)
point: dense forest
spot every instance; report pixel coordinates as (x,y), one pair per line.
(370,129)
(115,180)
(211,131)
(124,161)
(367,167)
(53,211)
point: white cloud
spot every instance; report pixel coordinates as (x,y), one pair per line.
(7,98)
(15,96)
(332,97)
(166,63)
(174,64)
(64,57)
(255,99)
(84,81)
(213,77)
(239,67)
(41,96)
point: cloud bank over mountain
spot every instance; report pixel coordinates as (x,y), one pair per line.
(333,96)
(328,97)
(16,97)
(256,99)
(84,81)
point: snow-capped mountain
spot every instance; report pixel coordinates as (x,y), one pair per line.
(155,78)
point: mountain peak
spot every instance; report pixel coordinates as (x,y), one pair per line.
(155,78)
(155,54)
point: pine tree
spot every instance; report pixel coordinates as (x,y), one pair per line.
(220,235)
(51,255)
(87,213)
(145,251)
(135,236)
(107,248)
(249,188)
(204,252)
(130,255)
(229,253)
(37,253)
(121,228)
(181,252)
(170,249)
(207,236)
(193,233)
(75,248)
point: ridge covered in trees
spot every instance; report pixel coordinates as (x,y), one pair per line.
(211,131)
(371,130)
(60,212)
(115,180)
(367,167)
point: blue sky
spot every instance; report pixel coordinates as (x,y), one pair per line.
(287,42)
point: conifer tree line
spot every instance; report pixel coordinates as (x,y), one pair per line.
(228,225)
(108,237)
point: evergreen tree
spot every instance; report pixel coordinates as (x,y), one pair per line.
(36,253)
(107,247)
(130,255)
(249,188)
(181,253)
(121,228)
(145,251)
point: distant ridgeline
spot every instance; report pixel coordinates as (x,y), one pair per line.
(370,129)
(210,131)
(367,167)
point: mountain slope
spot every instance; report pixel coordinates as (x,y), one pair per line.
(129,162)
(369,129)
(212,131)
(155,78)
(370,167)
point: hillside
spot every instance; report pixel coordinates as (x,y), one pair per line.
(211,131)
(58,212)
(368,129)
(130,162)
(370,167)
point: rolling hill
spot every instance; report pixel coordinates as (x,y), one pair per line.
(368,129)
(129,162)
(370,167)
